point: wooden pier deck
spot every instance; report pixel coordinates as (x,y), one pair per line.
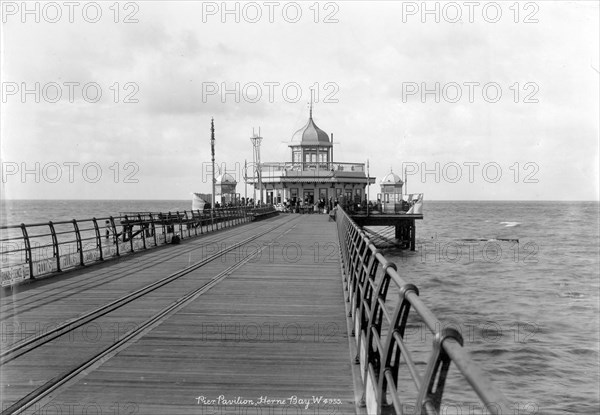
(264,333)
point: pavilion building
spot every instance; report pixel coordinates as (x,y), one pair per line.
(312,174)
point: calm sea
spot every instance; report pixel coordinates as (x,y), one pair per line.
(520,280)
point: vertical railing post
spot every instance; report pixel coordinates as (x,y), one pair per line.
(143,230)
(392,355)
(115,235)
(201,220)
(166,226)
(180,224)
(127,228)
(413,233)
(79,244)
(153,228)
(195,224)
(187,223)
(55,245)
(191,223)
(28,257)
(432,385)
(98,238)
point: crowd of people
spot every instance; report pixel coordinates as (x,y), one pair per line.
(306,205)
(309,206)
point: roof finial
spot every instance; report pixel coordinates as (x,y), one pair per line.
(311,103)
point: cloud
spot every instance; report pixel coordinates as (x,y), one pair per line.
(171,56)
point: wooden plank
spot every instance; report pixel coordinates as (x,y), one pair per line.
(272,334)
(271,338)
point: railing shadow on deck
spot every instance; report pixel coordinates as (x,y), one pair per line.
(40,249)
(379,316)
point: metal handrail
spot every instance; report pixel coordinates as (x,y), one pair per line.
(25,248)
(379,334)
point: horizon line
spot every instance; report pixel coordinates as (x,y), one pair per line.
(426,200)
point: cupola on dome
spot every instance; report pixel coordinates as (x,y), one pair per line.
(311,134)
(391,178)
(225,178)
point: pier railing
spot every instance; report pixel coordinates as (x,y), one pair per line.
(380,302)
(38,249)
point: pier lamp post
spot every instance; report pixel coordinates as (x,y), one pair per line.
(368,188)
(256,140)
(246,181)
(214,181)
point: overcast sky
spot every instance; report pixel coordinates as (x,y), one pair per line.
(172,66)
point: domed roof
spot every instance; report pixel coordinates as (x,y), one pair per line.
(310,134)
(225,178)
(391,178)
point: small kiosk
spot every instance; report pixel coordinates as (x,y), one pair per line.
(391,193)
(225,190)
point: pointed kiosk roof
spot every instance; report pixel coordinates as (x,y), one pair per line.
(310,134)
(392,178)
